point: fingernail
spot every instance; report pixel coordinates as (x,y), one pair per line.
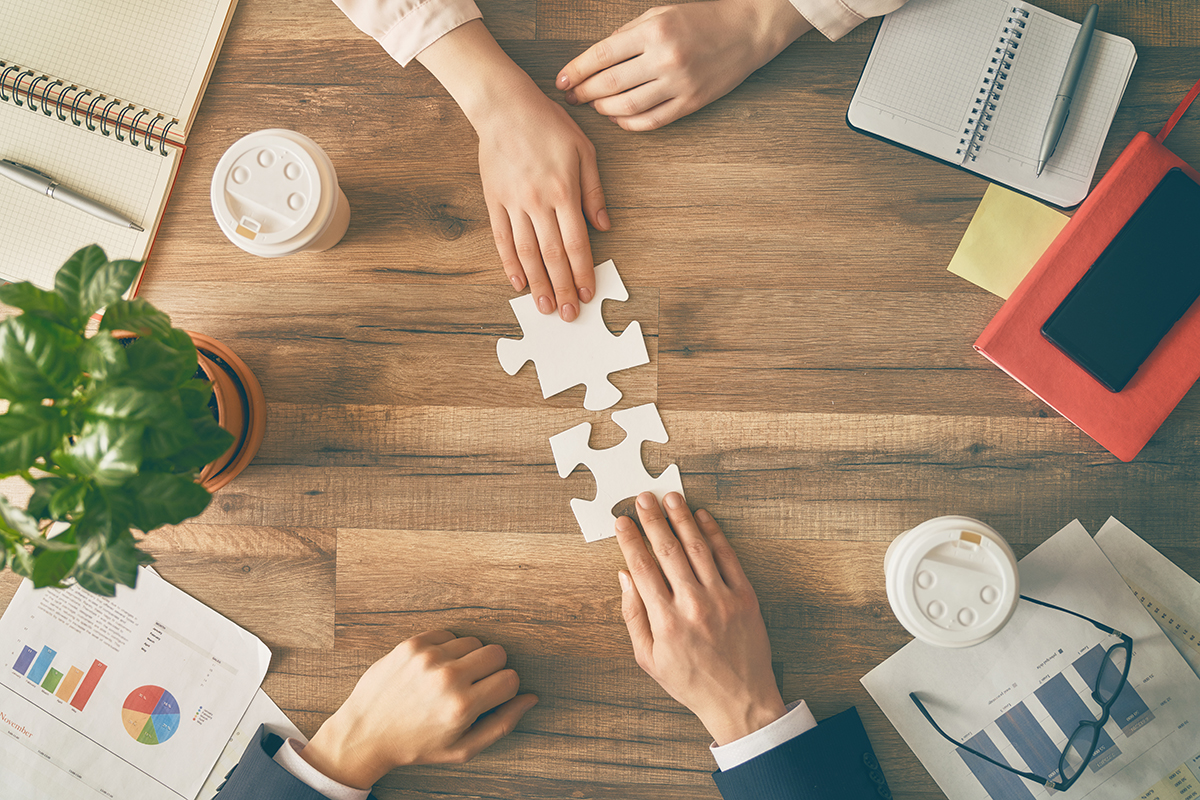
(568,312)
(545,304)
(572,99)
(704,516)
(647,500)
(585,294)
(624,523)
(517,281)
(673,500)
(563,81)
(602,218)
(624,579)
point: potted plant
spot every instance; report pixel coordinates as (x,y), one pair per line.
(126,429)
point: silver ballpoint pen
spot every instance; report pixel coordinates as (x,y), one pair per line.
(43,184)
(1066,89)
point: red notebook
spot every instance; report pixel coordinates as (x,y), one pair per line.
(1122,422)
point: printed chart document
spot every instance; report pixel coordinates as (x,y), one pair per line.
(1018,696)
(134,696)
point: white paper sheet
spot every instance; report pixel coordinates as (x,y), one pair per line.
(172,680)
(1170,595)
(262,711)
(1005,695)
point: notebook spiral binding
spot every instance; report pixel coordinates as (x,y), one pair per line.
(30,89)
(988,97)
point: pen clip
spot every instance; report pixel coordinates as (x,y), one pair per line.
(27,169)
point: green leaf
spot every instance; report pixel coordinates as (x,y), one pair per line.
(20,560)
(162,363)
(136,316)
(102,565)
(17,521)
(37,359)
(43,490)
(160,499)
(211,443)
(38,302)
(194,395)
(89,281)
(28,432)
(68,500)
(129,403)
(108,451)
(103,358)
(51,565)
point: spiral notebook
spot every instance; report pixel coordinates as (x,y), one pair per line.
(971,83)
(100,96)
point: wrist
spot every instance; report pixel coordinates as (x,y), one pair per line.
(338,753)
(739,721)
(772,25)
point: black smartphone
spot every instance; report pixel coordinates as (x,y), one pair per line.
(1139,287)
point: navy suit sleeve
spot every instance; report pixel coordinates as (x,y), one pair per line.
(259,777)
(832,760)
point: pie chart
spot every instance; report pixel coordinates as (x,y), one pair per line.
(151,714)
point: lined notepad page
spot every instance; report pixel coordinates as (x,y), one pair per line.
(37,233)
(929,62)
(153,53)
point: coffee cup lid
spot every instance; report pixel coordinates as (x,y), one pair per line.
(952,581)
(273,192)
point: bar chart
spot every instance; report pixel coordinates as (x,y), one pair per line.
(1036,729)
(74,686)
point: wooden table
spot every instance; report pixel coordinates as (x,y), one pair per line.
(810,355)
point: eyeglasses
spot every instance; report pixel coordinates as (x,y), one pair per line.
(1081,745)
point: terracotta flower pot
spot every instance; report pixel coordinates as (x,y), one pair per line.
(241,409)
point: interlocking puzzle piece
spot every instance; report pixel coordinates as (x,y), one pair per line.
(567,354)
(618,470)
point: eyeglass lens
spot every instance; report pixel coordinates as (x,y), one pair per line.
(1108,682)
(1079,751)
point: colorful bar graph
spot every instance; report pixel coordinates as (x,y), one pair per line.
(1068,710)
(39,668)
(88,686)
(1000,784)
(69,683)
(1129,711)
(24,660)
(52,679)
(1031,741)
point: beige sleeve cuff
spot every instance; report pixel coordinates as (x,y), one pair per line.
(406,27)
(836,18)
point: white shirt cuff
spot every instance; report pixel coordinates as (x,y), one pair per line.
(798,720)
(288,757)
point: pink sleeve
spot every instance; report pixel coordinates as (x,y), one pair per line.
(406,27)
(836,18)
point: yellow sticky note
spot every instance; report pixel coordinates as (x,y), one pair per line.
(1006,237)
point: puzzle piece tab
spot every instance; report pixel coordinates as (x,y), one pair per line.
(567,354)
(618,471)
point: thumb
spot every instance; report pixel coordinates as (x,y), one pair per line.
(636,619)
(591,192)
(494,726)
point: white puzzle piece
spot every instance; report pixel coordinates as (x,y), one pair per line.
(567,354)
(618,471)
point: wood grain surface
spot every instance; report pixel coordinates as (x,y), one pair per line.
(810,354)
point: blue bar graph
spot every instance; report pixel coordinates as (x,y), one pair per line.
(1068,710)
(1129,710)
(38,671)
(24,660)
(1000,784)
(1031,741)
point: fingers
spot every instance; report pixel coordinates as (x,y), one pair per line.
(647,577)
(554,256)
(695,545)
(723,555)
(654,118)
(502,233)
(495,726)
(605,53)
(457,648)
(530,255)
(611,81)
(579,252)
(497,688)
(429,638)
(667,548)
(482,662)
(636,620)
(634,101)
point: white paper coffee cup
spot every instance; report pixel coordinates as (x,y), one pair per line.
(952,581)
(275,192)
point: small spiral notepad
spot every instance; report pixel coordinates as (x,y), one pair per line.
(971,83)
(100,96)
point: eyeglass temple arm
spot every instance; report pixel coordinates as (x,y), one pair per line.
(1099,625)
(1049,784)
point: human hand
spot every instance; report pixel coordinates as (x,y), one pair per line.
(694,619)
(540,178)
(673,60)
(435,699)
